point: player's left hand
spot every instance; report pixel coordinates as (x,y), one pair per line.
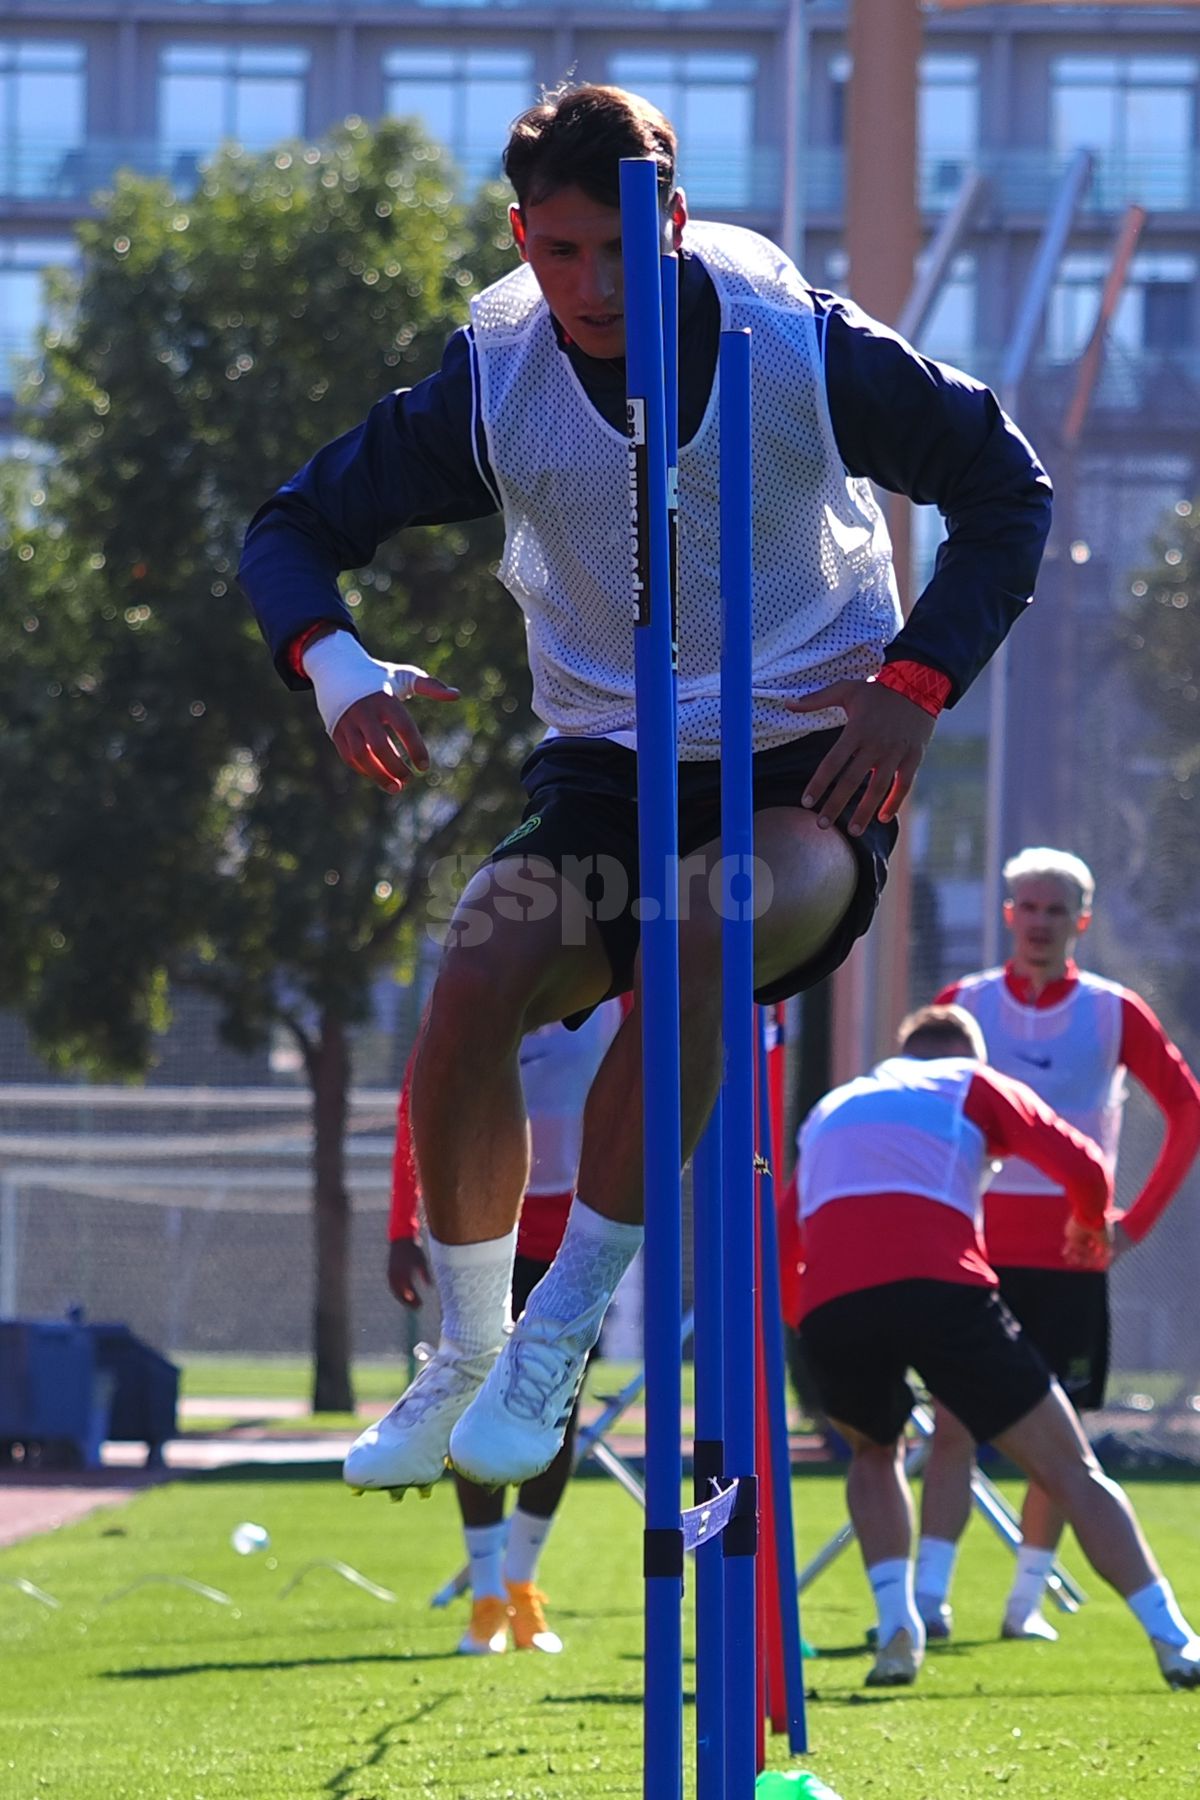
(1086,1249)
(882,743)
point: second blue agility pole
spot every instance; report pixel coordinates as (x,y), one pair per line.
(740,1541)
(658,842)
(708,1456)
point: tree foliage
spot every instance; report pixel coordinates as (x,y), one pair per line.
(192,822)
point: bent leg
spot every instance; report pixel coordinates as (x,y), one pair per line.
(1049,1446)
(501,974)
(881,1511)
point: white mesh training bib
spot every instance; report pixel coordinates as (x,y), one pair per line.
(902,1129)
(825,601)
(1069,1054)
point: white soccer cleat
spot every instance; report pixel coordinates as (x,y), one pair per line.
(407,1447)
(1179,1663)
(1033,1627)
(515,1426)
(897,1663)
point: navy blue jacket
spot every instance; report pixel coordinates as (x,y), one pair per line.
(911,425)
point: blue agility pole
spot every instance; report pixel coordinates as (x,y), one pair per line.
(658,848)
(740,1541)
(708,1455)
(776,1398)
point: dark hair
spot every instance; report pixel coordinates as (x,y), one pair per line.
(576,137)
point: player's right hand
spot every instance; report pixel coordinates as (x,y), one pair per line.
(406,1266)
(1084,1248)
(361,700)
(378,736)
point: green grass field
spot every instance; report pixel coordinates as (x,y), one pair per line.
(328,1694)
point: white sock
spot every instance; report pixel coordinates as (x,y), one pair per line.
(473,1283)
(935,1568)
(485,1548)
(526,1536)
(1157,1611)
(895,1602)
(1029,1583)
(575,1291)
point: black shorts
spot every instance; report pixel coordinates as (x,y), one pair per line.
(581,817)
(1065,1314)
(962,1341)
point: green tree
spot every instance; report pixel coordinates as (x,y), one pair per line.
(193,824)
(1161,630)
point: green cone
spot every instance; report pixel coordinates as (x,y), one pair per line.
(774,1784)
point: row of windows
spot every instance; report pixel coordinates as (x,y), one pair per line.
(1133,106)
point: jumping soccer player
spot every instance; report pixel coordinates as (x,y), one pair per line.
(557,1069)
(1072,1037)
(891,1169)
(527,416)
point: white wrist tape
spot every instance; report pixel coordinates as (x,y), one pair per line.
(341,673)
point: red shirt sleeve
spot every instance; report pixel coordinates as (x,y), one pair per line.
(1016,1122)
(948,995)
(1154,1060)
(404,1220)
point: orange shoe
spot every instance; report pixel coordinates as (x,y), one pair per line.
(527,1613)
(487,1634)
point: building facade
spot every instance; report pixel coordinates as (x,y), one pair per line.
(758,90)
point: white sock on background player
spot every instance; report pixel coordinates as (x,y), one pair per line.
(935,1569)
(895,1600)
(527,1535)
(1029,1583)
(485,1550)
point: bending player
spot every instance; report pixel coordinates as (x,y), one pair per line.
(557,1069)
(1072,1037)
(527,416)
(891,1169)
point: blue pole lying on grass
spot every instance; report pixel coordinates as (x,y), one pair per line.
(658,847)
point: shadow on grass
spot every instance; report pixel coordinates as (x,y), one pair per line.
(635,1699)
(941,1652)
(347,1778)
(266,1474)
(150,1673)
